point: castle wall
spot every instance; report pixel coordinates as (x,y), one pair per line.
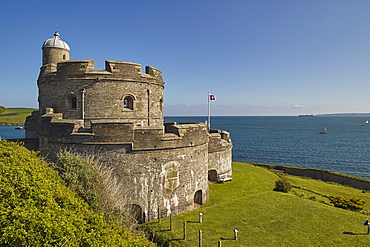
(148,167)
(100,94)
(145,167)
(32,124)
(221,162)
(167,179)
(220,155)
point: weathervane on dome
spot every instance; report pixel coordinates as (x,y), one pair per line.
(56,31)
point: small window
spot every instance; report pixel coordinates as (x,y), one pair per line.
(161,104)
(71,101)
(128,102)
(64,57)
(74,103)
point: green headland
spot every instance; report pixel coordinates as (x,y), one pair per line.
(14,116)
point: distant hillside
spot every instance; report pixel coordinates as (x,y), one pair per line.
(14,116)
(344,115)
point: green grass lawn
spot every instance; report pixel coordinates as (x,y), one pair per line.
(15,116)
(264,217)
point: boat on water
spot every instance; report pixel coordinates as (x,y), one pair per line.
(367,121)
(323,131)
(19,127)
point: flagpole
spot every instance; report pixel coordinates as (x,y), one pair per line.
(209,113)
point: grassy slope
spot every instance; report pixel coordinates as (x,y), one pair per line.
(267,218)
(15,116)
(37,209)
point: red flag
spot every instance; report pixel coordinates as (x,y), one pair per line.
(212,97)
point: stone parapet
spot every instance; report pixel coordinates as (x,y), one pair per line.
(115,70)
(57,130)
(219,140)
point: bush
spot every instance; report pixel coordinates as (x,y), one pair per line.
(283,186)
(350,203)
(82,176)
(36,209)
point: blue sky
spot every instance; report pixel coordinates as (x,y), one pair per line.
(260,57)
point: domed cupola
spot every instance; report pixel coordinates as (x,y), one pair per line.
(56,42)
(55,50)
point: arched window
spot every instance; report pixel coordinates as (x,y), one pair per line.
(71,101)
(74,103)
(128,102)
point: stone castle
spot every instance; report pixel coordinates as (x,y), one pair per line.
(158,168)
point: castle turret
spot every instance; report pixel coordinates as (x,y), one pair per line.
(55,50)
(79,91)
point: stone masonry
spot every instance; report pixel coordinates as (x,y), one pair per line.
(117,114)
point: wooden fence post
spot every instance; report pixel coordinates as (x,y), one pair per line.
(184,230)
(200,238)
(171,222)
(235,234)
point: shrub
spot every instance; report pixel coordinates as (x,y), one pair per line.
(350,203)
(283,186)
(36,209)
(82,176)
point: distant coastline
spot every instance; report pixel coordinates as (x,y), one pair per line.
(344,115)
(337,115)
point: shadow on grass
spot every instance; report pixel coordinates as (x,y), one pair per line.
(192,221)
(164,230)
(352,233)
(227,238)
(175,239)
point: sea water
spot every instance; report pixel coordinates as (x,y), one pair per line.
(295,141)
(292,141)
(10,132)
